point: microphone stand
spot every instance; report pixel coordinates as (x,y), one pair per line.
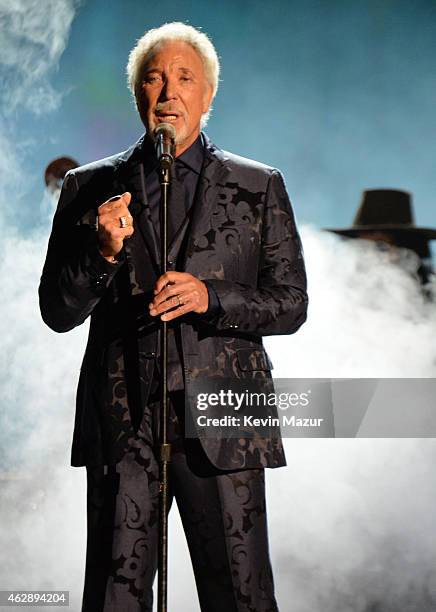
(165,446)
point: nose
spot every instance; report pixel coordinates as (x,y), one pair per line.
(169,89)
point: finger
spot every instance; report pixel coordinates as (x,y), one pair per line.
(114,215)
(169,291)
(191,297)
(164,306)
(116,201)
(114,232)
(185,299)
(177,312)
(127,197)
(111,224)
(120,207)
(168,277)
(122,220)
(124,197)
(160,303)
(180,299)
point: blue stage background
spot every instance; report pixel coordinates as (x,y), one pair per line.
(340,95)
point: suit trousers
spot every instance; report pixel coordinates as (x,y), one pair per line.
(223,515)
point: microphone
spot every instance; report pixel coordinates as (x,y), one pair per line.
(164,137)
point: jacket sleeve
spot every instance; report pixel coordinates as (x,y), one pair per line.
(278,305)
(75,275)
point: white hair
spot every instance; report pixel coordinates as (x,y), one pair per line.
(147,44)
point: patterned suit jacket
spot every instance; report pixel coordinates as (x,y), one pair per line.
(241,237)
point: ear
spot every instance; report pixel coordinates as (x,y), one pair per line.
(207,98)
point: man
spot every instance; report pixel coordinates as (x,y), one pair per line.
(385,216)
(236,273)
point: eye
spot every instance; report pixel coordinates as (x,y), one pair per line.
(152,79)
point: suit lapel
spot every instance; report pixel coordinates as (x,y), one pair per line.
(213,174)
(131,177)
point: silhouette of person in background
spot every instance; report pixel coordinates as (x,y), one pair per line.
(55,173)
(385,216)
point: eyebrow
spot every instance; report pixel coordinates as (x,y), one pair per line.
(181,69)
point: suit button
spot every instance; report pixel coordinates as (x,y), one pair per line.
(98,281)
(101,278)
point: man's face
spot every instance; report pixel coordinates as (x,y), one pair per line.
(175,90)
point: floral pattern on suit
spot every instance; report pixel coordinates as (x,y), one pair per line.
(241,237)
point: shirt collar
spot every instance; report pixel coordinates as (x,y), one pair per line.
(193,156)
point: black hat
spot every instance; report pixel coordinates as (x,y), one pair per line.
(387,210)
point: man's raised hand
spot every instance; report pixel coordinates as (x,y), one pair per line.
(115,223)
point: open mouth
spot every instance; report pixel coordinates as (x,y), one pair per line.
(166,117)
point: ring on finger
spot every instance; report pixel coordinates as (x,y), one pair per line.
(123,222)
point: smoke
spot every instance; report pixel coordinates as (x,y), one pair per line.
(352,524)
(367,314)
(351,521)
(42,500)
(34,36)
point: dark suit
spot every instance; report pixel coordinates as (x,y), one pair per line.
(241,237)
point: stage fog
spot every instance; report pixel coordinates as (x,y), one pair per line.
(351,520)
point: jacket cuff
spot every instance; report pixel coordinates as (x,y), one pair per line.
(214,307)
(101,271)
(101,264)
